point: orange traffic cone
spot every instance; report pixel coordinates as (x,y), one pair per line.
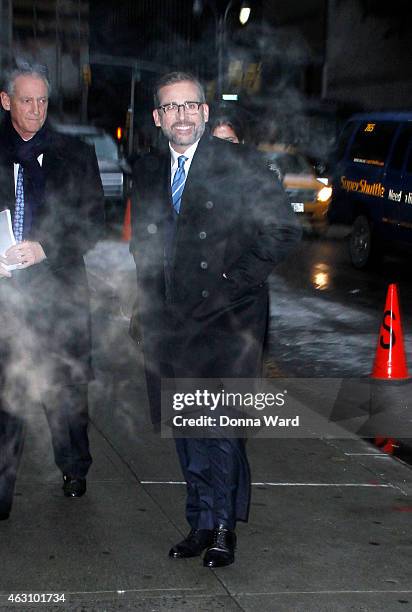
(390,383)
(127,229)
(390,361)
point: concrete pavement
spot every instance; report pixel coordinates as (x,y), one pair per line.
(329,528)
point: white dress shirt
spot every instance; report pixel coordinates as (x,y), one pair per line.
(190,151)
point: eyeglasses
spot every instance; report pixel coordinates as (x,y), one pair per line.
(191,108)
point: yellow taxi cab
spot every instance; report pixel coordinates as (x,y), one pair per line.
(309,194)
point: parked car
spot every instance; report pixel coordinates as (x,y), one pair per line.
(309,194)
(372,185)
(114,170)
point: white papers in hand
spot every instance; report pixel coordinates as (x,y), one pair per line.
(7,238)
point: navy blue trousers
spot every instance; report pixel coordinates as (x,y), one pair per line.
(218,481)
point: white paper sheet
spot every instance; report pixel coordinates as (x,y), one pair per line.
(7,238)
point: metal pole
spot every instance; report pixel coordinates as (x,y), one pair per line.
(131,109)
(85,75)
(2,27)
(221,21)
(219,45)
(324,91)
(58,62)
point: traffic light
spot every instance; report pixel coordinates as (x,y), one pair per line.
(119,133)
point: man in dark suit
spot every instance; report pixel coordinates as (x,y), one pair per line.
(51,185)
(209,223)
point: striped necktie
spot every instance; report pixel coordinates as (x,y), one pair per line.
(18,218)
(178,183)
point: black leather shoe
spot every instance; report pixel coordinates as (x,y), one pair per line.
(4,516)
(73,487)
(193,545)
(222,551)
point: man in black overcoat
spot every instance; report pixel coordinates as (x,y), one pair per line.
(209,223)
(51,185)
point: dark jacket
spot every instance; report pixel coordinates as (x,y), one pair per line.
(235,224)
(49,302)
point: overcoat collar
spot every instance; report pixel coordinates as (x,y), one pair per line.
(53,164)
(199,178)
(196,182)
(7,191)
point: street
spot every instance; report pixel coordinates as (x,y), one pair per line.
(325,315)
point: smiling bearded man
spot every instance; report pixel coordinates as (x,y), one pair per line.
(209,223)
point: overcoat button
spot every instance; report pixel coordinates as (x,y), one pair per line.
(203,265)
(209,204)
(202,235)
(205,293)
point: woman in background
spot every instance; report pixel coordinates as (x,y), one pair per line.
(227,128)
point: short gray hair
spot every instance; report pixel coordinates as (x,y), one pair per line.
(177,77)
(25,68)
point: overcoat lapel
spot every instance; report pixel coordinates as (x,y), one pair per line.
(199,178)
(197,187)
(169,218)
(7,190)
(166,196)
(55,170)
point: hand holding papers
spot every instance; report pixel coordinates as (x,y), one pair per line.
(16,255)
(7,240)
(25,254)
(3,268)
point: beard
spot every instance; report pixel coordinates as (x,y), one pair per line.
(187,138)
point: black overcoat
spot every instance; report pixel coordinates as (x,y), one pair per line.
(45,314)
(235,224)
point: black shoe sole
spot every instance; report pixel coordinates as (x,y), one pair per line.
(177,555)
(68,494)
(213,564)
(183,556)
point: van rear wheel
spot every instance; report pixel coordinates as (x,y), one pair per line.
(362,248)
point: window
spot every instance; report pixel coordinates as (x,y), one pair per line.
(372,141)
(409,162)
(343,140)
(400,148)
(105,146)
(289,163)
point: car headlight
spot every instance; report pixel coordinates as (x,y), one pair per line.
(324,194)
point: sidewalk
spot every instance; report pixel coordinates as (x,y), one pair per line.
(329,525)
